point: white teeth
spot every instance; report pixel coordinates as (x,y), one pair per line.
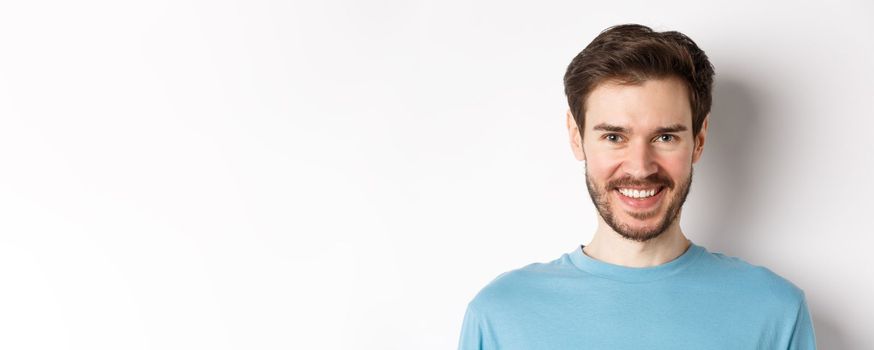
(637,193)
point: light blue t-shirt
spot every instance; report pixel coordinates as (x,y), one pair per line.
(700,300)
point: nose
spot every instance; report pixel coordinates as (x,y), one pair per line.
(640,162)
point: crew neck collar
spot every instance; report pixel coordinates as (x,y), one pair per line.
(634,274)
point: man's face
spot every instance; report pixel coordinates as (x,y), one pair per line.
(639,150)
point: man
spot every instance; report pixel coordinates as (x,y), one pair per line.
(639,109)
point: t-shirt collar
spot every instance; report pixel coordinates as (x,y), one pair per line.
(634,274)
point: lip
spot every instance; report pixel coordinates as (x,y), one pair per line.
(645,203)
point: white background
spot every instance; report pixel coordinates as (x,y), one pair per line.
(326,175)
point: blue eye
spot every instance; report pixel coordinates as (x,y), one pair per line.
(666,138)
(612,137)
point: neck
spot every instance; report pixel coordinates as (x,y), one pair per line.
(610,247)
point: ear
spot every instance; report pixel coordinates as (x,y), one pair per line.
(575,136)
(699,140)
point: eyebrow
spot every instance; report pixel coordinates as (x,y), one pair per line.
(620,129)
(610,128)
(671,128)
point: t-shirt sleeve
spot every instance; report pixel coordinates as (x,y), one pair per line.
(803,337)
(471,331)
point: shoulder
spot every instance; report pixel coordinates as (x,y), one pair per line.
(759,280)
(523,284)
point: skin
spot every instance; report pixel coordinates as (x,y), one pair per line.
(639,155)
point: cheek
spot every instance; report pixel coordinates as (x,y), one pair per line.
(602,167)
(677,167)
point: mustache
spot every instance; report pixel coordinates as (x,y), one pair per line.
(652,180)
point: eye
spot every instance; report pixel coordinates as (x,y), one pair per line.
(612,137)
(666,138)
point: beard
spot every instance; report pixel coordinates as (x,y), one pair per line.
(601,199)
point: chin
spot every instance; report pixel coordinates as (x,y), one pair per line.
(641,230)
(640,236)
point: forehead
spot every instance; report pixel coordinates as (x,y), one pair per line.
(649,105)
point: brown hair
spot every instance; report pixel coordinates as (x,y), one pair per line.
(632,54)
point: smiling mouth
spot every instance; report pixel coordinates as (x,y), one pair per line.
(640,193)
(643,198)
